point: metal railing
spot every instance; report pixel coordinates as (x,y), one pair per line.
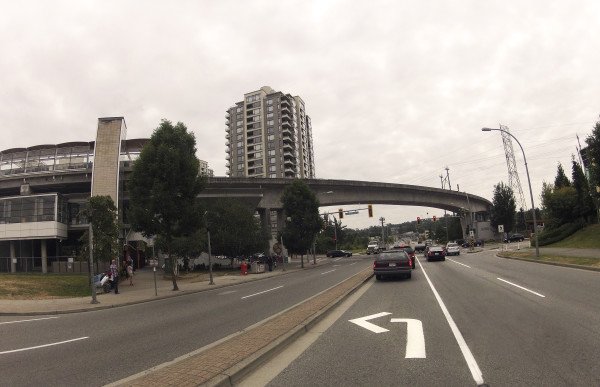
(57,265)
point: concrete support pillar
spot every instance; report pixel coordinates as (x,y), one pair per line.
(13,256)
(44,257)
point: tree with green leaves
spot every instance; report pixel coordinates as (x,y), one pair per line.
(503,207)
(163,187)
(558,205)
(102,213)
(234,229)
(593,155)
(302,208)
(585,208)
(561,179)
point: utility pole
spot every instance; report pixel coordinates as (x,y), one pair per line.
(91,247)
(382,219)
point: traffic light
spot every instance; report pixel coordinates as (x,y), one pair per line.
(340,213)
(434,218)
(418,220)
(370,208)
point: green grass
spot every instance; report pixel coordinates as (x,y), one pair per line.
(42,286)
(587,238)
(582,261)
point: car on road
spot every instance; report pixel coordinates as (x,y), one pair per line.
(419,247)
(514,238)
(392,263)
(476,243)
(338,253)
(436,253)
(409,250)
(452,248)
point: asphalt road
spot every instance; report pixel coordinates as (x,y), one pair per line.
(517,323)
(99,347)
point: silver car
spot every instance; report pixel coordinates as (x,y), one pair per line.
(452,248)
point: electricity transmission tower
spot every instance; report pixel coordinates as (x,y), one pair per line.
(513,176)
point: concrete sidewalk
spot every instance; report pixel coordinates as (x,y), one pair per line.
(143,290)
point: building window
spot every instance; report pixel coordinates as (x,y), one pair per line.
(272,175)
(272,160)
(240,144)
(271,153)
(270,109)
(238,110)
(270,115)
(271,145)
(272,168)
(240,137)
(239,123)
(270,123)
(269,102)
(240,167)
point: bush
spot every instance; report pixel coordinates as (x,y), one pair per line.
(547,237)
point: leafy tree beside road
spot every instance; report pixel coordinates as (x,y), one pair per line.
(302,208)
(163,188)
(503,207)
(102,213)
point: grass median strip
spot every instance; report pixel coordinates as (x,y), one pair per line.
(580,261)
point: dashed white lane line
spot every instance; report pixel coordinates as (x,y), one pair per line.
(21,321)
(43,346)
(464,348)
(265,291)
(450,259)
(521,287)
(328,271)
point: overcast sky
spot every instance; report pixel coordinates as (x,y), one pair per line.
(396,90)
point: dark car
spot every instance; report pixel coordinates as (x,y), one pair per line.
(514,238)
(392,263)
(420,247)
(338,253)
(408,250)
(436,252)
(477,243)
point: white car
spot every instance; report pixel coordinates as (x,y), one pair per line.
(452,249)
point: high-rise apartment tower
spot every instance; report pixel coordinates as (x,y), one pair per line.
(269,135)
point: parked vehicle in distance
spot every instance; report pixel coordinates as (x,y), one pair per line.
(392,263)
(408,250)
(476,243)
(338,253)
(436,252)
(514,238)
(452,248)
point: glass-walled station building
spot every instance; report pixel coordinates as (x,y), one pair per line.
(43,188)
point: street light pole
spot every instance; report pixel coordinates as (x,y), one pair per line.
(210,273)
(537,249)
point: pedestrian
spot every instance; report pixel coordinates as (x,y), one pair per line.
(114,273)
(130,272)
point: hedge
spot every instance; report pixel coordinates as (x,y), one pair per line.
(547,237)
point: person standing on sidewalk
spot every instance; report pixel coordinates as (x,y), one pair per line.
(114,273)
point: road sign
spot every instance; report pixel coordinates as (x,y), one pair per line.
(351,212)
(277,248)
(415,339)
(500,228)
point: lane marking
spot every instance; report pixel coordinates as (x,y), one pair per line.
(415,340)
(265,291)
(328,271)
(335,260)
(353,263)
(20,321)
(362,322)
(43,346)
(460,263)
(521,287)
(336,265)
(464,348)
(227,292)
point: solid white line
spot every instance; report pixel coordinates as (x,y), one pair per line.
(520,287)
(19,321)
(42,346)
(415,340)
(450,259)
(256,294)
(464,348)
(335,260)
(328,272)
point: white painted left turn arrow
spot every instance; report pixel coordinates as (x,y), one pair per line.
(362,322)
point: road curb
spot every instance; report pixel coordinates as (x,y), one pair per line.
(570,265)
(234,375)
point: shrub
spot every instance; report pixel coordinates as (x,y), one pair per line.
(547,237)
